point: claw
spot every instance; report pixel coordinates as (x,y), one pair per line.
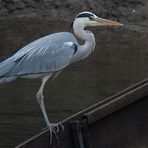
(52,131)
(54,128)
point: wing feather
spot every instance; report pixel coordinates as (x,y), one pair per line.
(45,55)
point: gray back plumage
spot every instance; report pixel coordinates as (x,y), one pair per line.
(45,55)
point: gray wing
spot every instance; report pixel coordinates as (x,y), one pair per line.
(45,55)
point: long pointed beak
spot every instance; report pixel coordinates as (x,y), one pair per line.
(106,22)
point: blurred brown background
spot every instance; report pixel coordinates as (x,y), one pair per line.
(124,10)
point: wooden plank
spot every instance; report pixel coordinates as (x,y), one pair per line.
(43,140)
(112,105)
(93,114)
(125,128)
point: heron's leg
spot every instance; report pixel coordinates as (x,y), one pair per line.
(56,74)
(40,98)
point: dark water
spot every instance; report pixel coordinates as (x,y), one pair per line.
(120,60)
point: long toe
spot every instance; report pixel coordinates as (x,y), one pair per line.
(54,128)
(52,132)
(57,126)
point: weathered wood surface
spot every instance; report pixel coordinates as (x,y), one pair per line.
(119,121)
(125,128)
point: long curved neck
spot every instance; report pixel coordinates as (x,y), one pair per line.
(85,35)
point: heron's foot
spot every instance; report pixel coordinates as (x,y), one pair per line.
(57,126)
(54,129)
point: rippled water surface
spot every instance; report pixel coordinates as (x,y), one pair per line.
(120,59)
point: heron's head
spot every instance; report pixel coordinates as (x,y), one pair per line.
(90,19)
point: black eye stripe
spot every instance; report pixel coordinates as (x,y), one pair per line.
(85,15)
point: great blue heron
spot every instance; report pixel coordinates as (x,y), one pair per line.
(50,54)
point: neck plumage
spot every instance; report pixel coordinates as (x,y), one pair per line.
(87,36)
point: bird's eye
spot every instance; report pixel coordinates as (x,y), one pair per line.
(91,17)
